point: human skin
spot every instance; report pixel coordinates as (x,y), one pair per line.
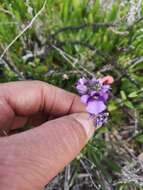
(30,159)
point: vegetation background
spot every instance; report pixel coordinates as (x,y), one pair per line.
(58,41)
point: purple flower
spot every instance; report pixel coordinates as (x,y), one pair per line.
(94,93)
(94,101)
(84,98)
(94,82)
(106,88)
(82,81)
(82,89)
(95,107)
(104,96)
(101,119)
(81,86)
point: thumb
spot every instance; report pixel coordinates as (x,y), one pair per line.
(37,155)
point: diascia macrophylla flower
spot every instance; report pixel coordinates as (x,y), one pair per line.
(95,93)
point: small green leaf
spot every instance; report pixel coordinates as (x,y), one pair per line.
(133,95)
(129,104)
(112,106)
(123,95)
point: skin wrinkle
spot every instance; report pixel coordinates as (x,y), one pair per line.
(5,125)
(7,171)
(17,157)
(22,168)
(56,98)
(51,107)
(85,134)
(34,120)
(59,133)
(21,99)
(72,103)
(29,149)
(65,144)
(7,97)
(25,120)
(76,141)
(28,184)
(74,130)
(63,149)
(37,172)
(43,98)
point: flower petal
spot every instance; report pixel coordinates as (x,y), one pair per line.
(82,89)
(82,81)
(94,93)
(105,88)
(101,119)
(103,96)
(95,107)
(84,99)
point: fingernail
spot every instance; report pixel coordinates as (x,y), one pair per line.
(86,122)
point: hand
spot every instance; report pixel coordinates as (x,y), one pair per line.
(30,159)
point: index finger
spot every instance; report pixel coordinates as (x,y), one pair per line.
(30,97)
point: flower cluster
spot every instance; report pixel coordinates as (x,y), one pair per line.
(94,93)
